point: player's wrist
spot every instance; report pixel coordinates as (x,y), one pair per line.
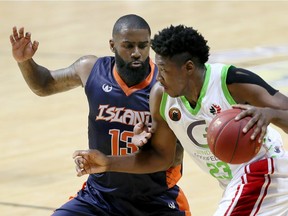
(117,163)
(110,163)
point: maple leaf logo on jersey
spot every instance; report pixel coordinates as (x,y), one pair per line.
(215,109)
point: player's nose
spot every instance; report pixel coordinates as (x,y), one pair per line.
(136,54)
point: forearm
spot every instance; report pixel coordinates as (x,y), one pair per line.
(280,118)
(147,161)
(35,76)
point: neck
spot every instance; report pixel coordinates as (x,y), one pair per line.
(196,86)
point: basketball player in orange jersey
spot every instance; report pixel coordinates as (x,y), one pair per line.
(117,90)
(190,92)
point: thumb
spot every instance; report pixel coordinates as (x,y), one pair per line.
(138,128)
(35,45)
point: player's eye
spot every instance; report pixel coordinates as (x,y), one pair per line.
(143,46)
(128,46)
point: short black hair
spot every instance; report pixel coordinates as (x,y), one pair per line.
(130,21)
(182,41)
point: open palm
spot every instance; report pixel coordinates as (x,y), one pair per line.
(22,46)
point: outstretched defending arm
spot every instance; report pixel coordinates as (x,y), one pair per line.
(41,80)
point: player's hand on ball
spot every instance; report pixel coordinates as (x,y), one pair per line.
(90,161)
(260,117)
(142,133)
(22,46)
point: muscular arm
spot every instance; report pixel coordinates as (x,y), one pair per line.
(256,92)
(42,81)
(45,82)
(160,156)
(157,156)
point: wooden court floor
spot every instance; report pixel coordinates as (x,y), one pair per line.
(39,135)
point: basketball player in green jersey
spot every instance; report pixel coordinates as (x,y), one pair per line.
(189,94)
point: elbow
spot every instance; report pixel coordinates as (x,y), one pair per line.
(41,86)
(176,158)
(285,130)
(43,89)
(40,92)
(167,163)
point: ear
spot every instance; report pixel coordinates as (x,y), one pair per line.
(189,66)
(111,42)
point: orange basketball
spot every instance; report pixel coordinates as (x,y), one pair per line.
(227,141)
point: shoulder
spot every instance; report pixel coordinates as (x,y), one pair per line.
(157,91)
(83,67)
(85,63)
(155,98)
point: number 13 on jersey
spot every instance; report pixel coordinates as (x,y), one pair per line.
(125,137)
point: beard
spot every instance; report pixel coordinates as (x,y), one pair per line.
(131,75)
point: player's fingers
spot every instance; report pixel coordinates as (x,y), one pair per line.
(76,153)
(246,110)
(27,35)
(15,33)
(144,140)
(83,170)
(261,128)
(141,143)
(138,128)
(251,123)
(78,169)
(21,32)
(151,130)
(148,136)
(35,45)
(80,172)
(241,115)
(240,106)
(255,133)
(79,153)
(12,40)
(79,160)
(262,135)
(138,141)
